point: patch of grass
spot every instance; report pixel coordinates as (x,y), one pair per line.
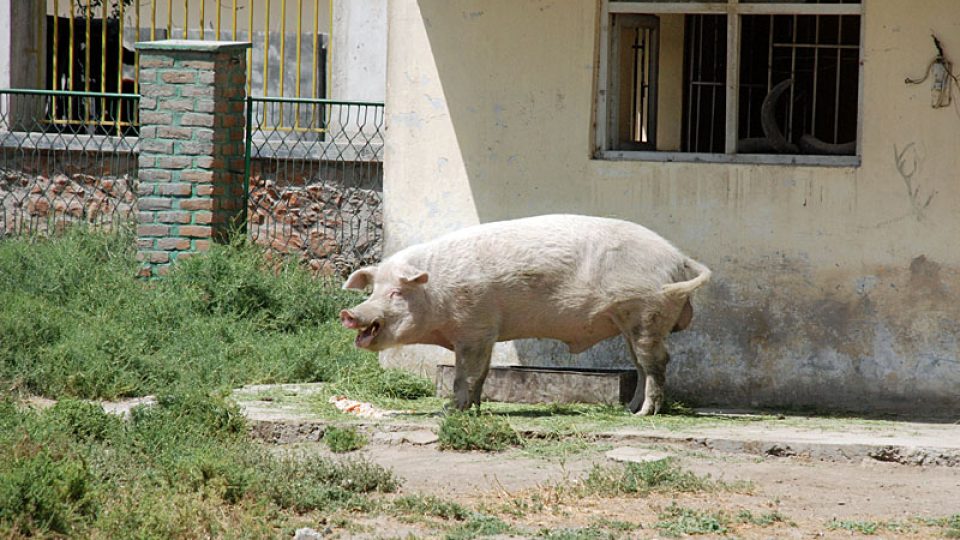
(521,506)
(559,443)
(678,408)
(584,533)
(561,449)
(343,439)
(309,482)
(429,505)
(641,478)
(862,527)
(477,526)
(41,490)
(678,521)
(367,381)
(617,525)
(951,526)
(476,431)
(867,527)
(763,520)
(182,468)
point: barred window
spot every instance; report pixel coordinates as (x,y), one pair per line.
(756,81)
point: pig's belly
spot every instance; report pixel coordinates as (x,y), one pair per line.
(577,332)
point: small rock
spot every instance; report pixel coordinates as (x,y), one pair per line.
(636,455)
(306,533)
(387,437)
(420,438)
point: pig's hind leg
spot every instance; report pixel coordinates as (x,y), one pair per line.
(472,365)
(645,341)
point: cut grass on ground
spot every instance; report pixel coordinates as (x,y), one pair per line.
(343,439)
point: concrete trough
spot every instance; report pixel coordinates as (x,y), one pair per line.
(524,384)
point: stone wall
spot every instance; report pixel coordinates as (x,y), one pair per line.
(38,204)
(333,228)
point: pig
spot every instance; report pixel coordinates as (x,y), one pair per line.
(576,279)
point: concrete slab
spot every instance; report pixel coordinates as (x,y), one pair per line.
(900,442)
(521,384)
(275,415)
(633,454)
(419,437)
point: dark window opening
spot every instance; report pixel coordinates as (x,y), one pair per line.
(799,84)
(705,68)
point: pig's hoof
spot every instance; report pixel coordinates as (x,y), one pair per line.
(452,407)
(649,408)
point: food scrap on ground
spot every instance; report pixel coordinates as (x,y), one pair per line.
(359,408)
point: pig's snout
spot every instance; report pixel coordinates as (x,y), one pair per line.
(348,320)
(365,332)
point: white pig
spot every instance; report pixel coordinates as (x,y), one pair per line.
(576,279)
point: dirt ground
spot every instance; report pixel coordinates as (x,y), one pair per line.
(816,499)
(795,476)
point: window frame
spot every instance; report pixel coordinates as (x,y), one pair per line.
(733,9)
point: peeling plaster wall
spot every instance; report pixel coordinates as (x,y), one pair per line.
(834,287)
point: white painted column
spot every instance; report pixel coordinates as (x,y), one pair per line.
(359,50)
(22,57)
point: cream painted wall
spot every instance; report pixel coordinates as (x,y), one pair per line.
(834,286)
(670,93)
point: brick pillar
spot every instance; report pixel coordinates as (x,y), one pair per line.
(191,148)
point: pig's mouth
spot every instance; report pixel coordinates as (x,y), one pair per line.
(366,335)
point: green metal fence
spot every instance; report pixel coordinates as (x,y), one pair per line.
(314,170)
(315,180)
(65,158)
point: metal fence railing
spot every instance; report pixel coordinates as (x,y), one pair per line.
(315,180)
(54,171)
(89,43)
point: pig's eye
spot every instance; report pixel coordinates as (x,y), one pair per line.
(395,293)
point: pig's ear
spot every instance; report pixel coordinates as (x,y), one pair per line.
(360,278)
(413,276)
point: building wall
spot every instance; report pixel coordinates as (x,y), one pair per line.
(359,50)
(834,287)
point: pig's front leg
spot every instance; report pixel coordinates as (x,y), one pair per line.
(472,365)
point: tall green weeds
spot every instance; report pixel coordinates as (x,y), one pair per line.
(75,470)
(76,321)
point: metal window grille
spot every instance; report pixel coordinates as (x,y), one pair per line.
(705,65)
(818,56)
(758,77)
